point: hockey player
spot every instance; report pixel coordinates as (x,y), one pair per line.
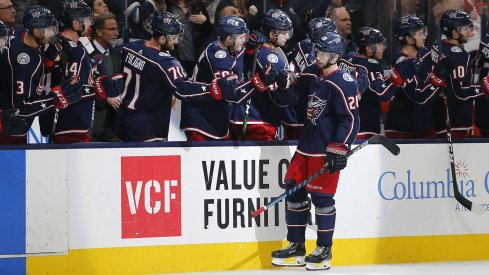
(371,45)
(73,124)
(23,68)
(406,118)
(262,114)
(225,56)
(301,57)
(331,127)
(153,76)
(481,112)
(459,91)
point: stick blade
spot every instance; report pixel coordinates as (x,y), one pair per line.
(476,208)
(387,143)
(260,210)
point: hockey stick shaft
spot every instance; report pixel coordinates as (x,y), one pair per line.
(385,142)
(55,122)
(248,102)
(456,192)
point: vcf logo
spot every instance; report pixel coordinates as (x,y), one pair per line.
(150,196)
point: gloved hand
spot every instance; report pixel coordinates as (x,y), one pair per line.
(285,79)
(362,78)
(336,156)
(223,87)
(108,86)
(254,39)
(67,92)
(10,124)
(264,78)
(485,85)
(55,45)
(441,71)
(403,71)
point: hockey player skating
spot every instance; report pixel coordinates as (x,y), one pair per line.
(331,126)
(152,77)
(225,56)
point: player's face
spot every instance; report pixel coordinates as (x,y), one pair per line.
(420,38)
(282,37)
(171,41)
(465,33)
(379,53)
(239,41)
(323,59)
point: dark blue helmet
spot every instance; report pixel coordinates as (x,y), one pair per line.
(407,25)
(3,30)
(230,25)
(369,36)
(453,19)
(38,17)
(74,10)
(164,24)
(320,23)
(276,20)
(329,42)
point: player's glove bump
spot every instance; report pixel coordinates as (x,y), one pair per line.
(223,87)
(336,156)
(441,71)
(264,78)
(67,92)
(109,86)
(403,71)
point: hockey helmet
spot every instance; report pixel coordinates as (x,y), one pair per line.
(407,25)
(277,20)
(230,25)
(165,24)
(369,36)
(329,42)
(453,19)
(38,17)
(74,10)
(320,23)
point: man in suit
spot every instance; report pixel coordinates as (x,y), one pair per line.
(105,33)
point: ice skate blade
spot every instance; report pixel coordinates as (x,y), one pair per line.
(325,265)
(289,262)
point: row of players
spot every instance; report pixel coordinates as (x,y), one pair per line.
(145,116)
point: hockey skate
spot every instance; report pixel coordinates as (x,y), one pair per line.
(319,259)
(292,255)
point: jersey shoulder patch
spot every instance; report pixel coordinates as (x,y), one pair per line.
(23,59)
(347,77)
(220,54)
(272,58)
(371,60)
(456,49)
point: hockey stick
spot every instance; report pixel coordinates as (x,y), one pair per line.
(248,102)
(55,122)
(387,143)
(476,208)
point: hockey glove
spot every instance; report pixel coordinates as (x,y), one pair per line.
(10,124)
(56,44)
(362,78)
(264,78)
(485,85)
(285,79)
(109,86)
(254,39)
(67,92)
(223,87)
(336,156)
(483,59)
(403,71)
(441,71)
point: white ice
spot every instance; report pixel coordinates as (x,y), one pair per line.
(439,268)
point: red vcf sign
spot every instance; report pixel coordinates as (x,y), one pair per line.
(150,196)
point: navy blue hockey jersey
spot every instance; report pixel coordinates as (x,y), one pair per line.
(152,78)
(211,118)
